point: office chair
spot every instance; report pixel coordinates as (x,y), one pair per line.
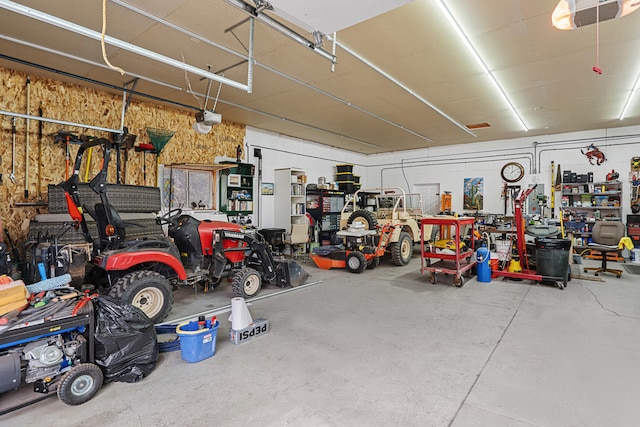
(297,238)
(606,235)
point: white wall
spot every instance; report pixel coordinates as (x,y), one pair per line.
(450,165)
(279,151)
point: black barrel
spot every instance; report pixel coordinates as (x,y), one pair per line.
(552,256)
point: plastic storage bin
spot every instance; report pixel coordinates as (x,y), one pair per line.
(197,344)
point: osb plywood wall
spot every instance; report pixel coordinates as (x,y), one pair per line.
(45,159)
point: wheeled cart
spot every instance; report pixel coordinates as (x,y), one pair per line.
(55,354)
(453,259)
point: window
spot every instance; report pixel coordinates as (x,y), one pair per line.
(186,187)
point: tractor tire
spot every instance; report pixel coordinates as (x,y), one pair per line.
(373,263)
(402,250)
(356,263)
(147,290)
(366,217)
(246,282)
(80,383)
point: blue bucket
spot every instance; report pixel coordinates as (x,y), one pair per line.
(197,343)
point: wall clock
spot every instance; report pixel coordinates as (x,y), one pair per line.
(512,172)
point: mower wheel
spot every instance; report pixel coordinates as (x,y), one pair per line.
(373,263)
(147,290)
(402,250)
(356,263)
(246,282)
(366,217)
(80,384)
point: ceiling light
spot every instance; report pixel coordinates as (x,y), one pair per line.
(632,95)
(465,40)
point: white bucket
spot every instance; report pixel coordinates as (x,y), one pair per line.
(503,248)
(635,256)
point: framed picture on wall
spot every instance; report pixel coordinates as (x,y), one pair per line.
(234,180)
(473,194)
(267,189)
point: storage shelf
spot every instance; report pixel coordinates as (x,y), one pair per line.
(586,216)
(602,193)
(575,184)
(289,198)
(577,208)
(229,200)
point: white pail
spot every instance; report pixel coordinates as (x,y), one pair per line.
(503,248)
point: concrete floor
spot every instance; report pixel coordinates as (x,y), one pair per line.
(388,348)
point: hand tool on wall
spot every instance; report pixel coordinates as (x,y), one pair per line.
(557,186)
(40,126)
(12,177)
(66,138)
(122,142)
(553,189)
(87,167)
(127,145)
(26,145)
(145,148)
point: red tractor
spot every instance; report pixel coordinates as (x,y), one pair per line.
(144,271)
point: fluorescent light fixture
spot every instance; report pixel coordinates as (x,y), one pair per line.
(632,95)
(465,40)
(70,26)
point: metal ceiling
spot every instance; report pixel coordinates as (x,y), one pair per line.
(403,79)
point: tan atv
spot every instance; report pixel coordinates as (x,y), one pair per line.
(378,207)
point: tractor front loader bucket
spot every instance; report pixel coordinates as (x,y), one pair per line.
(290,273)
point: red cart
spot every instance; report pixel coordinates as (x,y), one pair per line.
(457,263)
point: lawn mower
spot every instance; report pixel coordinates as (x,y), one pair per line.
(362,249)
(143,272)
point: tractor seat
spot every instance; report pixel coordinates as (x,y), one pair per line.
(102,220)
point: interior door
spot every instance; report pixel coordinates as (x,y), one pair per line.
(430,194)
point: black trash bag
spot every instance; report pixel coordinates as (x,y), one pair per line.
(126,346)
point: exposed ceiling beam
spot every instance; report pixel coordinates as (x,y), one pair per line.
(281,28)
(73,27)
